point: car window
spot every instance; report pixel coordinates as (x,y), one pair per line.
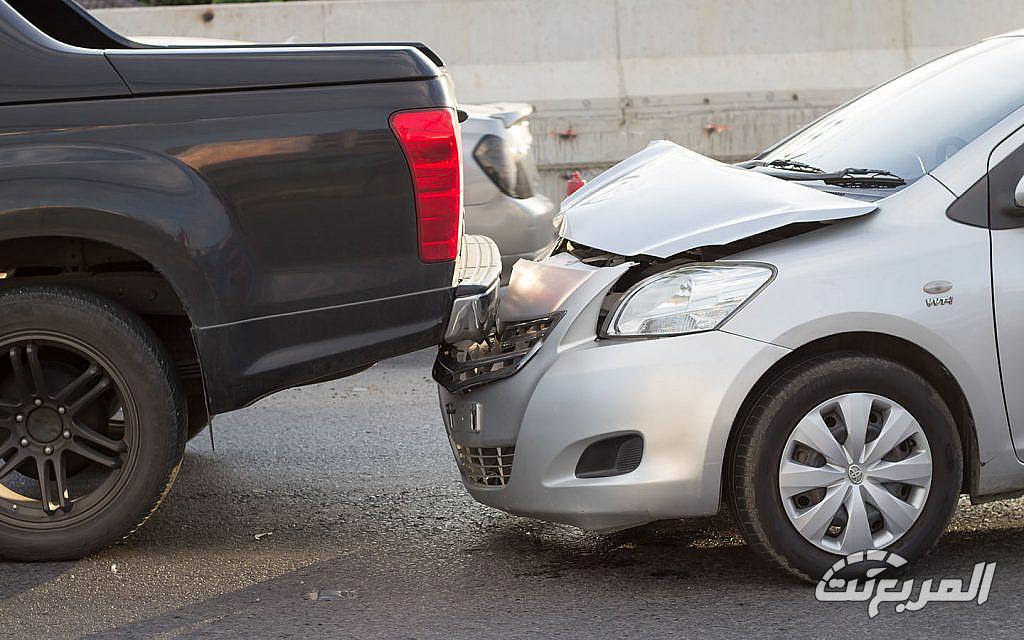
(913,123)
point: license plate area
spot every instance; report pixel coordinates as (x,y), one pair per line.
(464,417)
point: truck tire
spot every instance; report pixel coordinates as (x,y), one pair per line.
(92,423)
(843,454)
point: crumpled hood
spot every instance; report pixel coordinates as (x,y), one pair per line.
(666,199)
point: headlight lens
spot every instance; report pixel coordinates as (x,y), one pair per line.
(686,299)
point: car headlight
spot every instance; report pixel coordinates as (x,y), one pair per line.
(687,299)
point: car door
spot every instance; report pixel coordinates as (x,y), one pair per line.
(1006,219)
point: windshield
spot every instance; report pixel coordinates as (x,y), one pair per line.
(912,124)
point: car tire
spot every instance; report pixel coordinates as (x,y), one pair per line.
(769,458)
(90,402)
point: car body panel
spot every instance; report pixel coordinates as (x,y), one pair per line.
(1007,221)
(539,289)
(579,400)
(576,390)
(659,202)
(38,68)
(179,70)
(523,227)
(243,213)
(284,218)
(824,286)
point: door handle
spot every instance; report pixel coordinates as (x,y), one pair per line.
(1018,193)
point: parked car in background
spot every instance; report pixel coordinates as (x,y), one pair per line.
(501,178)
(185,230)
(811,335)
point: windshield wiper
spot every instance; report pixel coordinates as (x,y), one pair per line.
(789,165)
(848,177)
(859,178)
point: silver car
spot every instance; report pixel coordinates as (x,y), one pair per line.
(501,183)
(828,338)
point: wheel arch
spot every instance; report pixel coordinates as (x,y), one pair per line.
(166,255)
(121,275)
(910,355)
(149,203)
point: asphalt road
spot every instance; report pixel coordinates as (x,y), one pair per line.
(335,511)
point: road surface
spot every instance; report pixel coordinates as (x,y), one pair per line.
(335,511)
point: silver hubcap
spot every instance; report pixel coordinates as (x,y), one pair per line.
(855,473)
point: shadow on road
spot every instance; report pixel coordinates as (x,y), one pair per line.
(508,573)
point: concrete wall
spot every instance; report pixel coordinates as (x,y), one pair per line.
(723,77)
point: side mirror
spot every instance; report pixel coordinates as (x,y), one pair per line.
(1018,194)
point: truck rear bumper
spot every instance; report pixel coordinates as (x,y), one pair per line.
(476,290)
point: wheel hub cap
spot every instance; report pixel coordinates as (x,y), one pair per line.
(855,473)
(44,425)
(57,408)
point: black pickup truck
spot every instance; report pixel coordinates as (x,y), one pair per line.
(186,230)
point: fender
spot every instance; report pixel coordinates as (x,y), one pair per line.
(137,200)
(1000,469)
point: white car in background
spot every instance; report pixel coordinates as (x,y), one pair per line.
(501,183)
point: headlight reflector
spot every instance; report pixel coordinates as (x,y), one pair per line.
(687,299)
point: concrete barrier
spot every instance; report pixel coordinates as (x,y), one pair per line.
(723,77)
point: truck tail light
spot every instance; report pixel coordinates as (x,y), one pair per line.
(430,140)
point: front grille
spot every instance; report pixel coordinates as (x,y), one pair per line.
(488,466)
(466,365)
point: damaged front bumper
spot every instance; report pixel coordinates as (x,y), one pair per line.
(524,408)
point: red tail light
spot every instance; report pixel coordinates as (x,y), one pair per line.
(430,140)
